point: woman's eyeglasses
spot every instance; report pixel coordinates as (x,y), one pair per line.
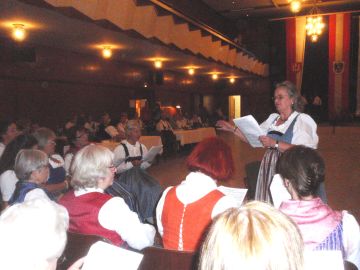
(112,168)
(278,97)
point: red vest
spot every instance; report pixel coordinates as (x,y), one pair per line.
(193,219)
(84,211)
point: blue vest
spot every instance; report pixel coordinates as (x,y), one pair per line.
(56,175)
(22,188)
(287,136)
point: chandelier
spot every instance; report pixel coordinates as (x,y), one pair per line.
(314,24)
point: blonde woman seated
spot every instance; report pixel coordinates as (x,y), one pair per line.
(255,236)
(94,212)
(32,170)
(302,170)
(185,211)
(33,235)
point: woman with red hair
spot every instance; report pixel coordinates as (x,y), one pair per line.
(184,212)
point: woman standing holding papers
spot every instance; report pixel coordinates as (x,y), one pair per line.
(284,129)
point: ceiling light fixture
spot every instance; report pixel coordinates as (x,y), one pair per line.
(314,23)
(18,32)
(295,6)
(106,52)
(232,80)
(191,71)
(158,64)
(215,76)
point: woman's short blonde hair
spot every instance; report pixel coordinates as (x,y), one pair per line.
(90,164)
(255,236)
(28,161)
(33,235)
(43,135)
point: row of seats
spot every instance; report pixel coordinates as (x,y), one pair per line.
(158,258)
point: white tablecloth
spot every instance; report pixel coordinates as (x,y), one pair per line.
(194,135)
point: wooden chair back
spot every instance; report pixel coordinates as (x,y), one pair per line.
(77,247)
(166,259)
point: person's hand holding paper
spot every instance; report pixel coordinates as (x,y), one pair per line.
(250,129)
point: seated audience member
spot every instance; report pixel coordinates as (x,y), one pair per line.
(57,182)
(32,170)
(203,114)
(101,133)
(163,123)
(8,132)
(195,121)
(33,235)
(185,211)
(133,115)
(92,211)
(145,113)
(80,140)
(121,125)
(132,176)
(70,125)
(8,177)
(23,125)
(255,236)
(91,125)
(168,137)
(302,170)
(181,121)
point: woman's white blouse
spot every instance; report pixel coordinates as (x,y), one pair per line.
(304,132)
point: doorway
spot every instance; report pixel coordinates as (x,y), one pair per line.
(234,107)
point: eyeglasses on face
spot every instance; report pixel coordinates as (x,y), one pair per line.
(279,97)
(112,168)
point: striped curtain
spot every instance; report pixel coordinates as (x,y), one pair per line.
(295,48)
(339,51)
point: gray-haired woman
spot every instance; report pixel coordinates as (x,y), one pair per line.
(32,170)
(92,211)
(284,129)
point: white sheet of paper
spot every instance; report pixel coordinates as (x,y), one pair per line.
(251,129)
(323,259)
(237,193)
(106,256)
(278,191)
(151,154)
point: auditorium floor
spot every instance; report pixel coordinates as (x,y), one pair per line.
(340,148)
